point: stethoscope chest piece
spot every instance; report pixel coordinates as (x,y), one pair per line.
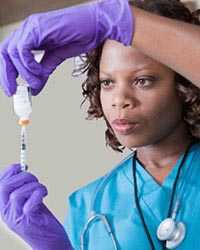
(172,232)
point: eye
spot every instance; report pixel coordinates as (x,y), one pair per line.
(145,82)
(105,83)
(140,82)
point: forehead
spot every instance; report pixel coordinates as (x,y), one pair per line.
(115,56)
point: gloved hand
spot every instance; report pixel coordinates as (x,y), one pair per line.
(21,208)
(62,34)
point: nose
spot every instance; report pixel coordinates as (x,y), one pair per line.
(122,99)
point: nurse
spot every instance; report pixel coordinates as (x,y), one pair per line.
(148,95)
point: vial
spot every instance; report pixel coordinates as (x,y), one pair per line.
(23,104)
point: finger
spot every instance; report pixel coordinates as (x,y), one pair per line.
(53,58)
(20,179)
(36,76)
(10,171)
(22,194)
(9,185)
(28,60)
(11,63)
(33,81)
(27,43)
(35,199)
(8,72)
(36,91)
(49,62)
(19,197)
(13,47)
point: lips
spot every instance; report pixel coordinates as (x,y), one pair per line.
(124,126)
(123,122)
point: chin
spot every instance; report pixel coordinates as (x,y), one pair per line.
(133,142)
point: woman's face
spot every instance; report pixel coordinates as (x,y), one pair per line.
(140,90)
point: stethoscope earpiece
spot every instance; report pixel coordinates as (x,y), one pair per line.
(172,232)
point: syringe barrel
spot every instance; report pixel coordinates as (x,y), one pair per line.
(23,149)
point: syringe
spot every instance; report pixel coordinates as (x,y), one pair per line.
(23,108)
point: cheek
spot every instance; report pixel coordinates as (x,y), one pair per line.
(163,110)
(105,103)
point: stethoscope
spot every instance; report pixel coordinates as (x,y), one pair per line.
(170,232)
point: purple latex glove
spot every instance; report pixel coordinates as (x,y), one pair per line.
(62,34)
(21,208)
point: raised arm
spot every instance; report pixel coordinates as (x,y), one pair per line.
(171,42)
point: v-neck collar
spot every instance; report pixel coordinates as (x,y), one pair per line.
(146,182)
(169,179)
(156,196)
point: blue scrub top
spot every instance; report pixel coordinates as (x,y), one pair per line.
(116,201)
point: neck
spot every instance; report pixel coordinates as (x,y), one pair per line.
(166,151)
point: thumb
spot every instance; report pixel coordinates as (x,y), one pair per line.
(53,58)
(48,64)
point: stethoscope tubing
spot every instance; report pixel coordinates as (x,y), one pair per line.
(171,212)
(95,215)
(106,224)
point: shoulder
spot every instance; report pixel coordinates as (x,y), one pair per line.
(193,163)
(85,193)
(194,154)
(196,147)
(79,203)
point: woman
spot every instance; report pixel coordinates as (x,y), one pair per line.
(149,97)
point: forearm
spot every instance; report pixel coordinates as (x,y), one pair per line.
(171,42)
